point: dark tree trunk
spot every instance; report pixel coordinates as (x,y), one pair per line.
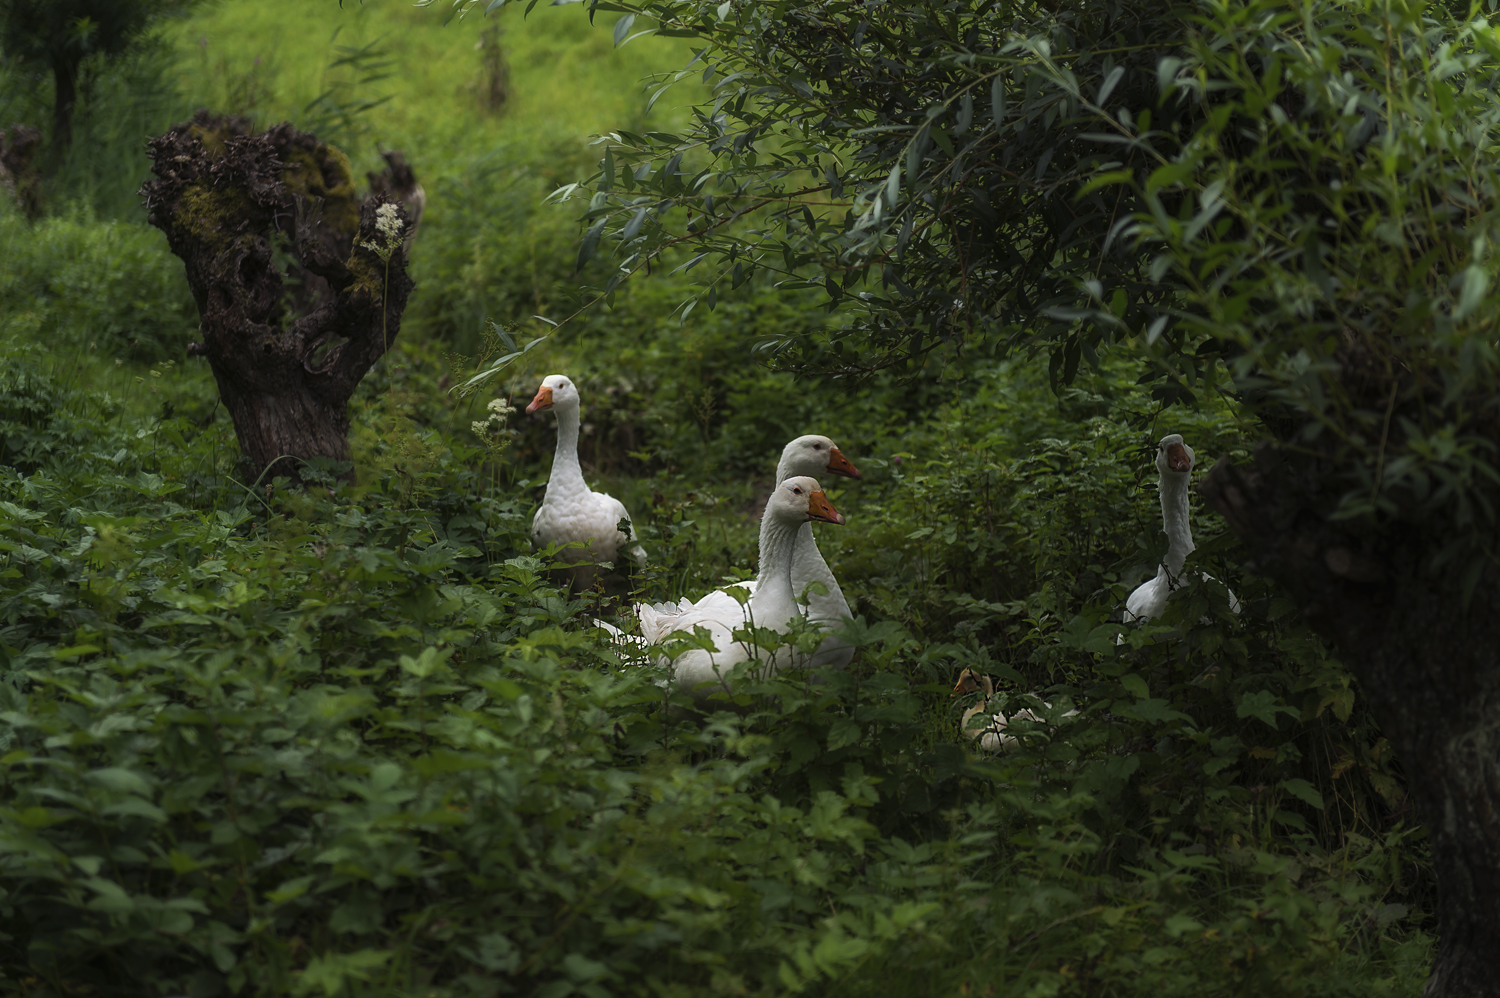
(18,173)
(65,79)
(1425,657)
(286,359)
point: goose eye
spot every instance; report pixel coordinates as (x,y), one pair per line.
(797,490)
(817,446)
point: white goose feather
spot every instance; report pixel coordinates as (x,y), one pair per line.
(1174,462)
(570,510)
(810,456)
(772,602)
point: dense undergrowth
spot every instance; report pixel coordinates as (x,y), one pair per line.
(353,739)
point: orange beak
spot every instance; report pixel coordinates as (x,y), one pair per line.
(543,400)
(965,684)
(1177,458)
(819,508)
(838,464)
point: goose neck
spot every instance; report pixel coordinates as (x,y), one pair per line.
(567,473)
(778,540)
(1175,520)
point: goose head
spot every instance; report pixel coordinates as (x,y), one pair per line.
(557,392)
(1172,455)
(800,499)
(970,681)
(814,455)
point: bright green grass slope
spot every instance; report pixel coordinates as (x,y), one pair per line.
(567,80)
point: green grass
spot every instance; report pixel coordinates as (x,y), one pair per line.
(353,742)
(567,81)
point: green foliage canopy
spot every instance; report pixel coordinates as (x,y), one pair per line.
(1301,200)
(56,36)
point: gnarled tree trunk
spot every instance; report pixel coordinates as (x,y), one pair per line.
(18,173)
(1427,658)
(286,359)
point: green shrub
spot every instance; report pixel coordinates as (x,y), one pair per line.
(79,285)
(352,741)
(261,742)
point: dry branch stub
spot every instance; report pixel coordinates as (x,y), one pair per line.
(287,348)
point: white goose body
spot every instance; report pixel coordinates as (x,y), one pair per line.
(570,510)
(1174,461)
(772,602)
(809,456)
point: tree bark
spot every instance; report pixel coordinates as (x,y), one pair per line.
(287,360)
(1426,658)
(18,173)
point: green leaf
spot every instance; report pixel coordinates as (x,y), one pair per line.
(622,28)
(914,151)
(328,974)
(122,780)
(997,100)
(1263,706)
(1476,284)
(590,243)
(844,732)
(1303,791)
(1166,74)
(862,634)
(135,807)
(965,115)
(425,664)
(1108,86)
(1106,179)
(633,227)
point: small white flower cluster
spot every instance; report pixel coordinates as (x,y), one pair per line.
(492,428)
(388,222)
(388,226)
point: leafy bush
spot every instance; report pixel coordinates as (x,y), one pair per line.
(352,740)
(355,743)
(81,285)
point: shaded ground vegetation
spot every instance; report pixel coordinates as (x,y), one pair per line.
(349,738)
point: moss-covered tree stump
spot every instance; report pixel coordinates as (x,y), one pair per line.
(288,346)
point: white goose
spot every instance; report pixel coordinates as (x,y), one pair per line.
(807,456)
(1174,460)
(772,601)
(991,731)
(571,511)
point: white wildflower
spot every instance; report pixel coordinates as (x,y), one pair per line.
(500,408)
(388,226)
(387,222)
(480,428)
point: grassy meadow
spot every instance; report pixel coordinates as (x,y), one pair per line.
(353,740)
